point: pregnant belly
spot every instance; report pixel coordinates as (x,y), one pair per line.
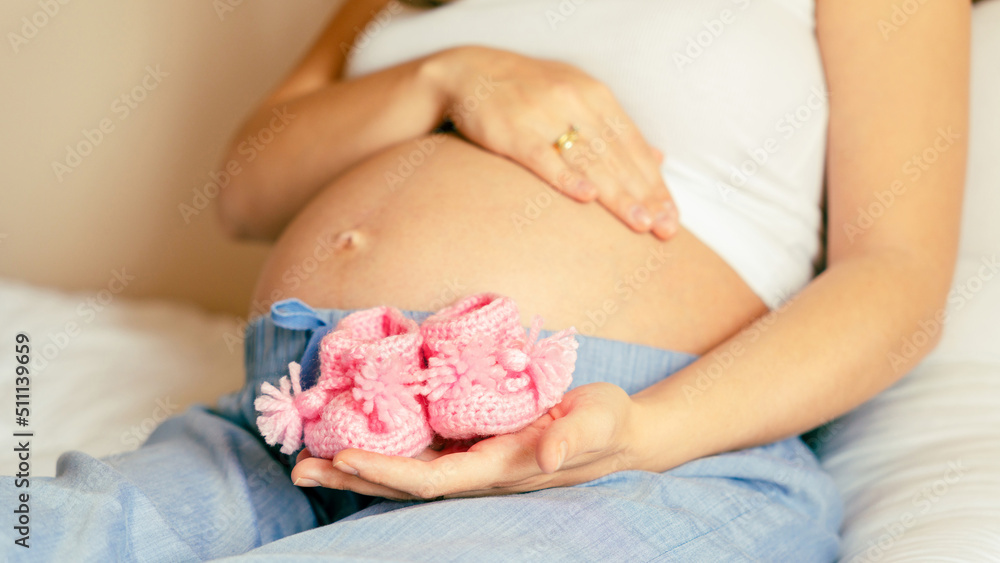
(426,222)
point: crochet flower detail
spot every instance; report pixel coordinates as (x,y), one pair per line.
(455,370)
(505,367)
(382,387)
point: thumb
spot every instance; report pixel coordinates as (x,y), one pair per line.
(583,428)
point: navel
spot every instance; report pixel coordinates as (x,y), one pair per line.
(348,239)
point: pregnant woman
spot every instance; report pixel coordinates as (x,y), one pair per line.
(649,172)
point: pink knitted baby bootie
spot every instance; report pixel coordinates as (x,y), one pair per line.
(483,377)
(366,397)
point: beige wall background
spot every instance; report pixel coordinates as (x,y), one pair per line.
(190,70)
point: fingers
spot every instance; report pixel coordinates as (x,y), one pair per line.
(547,164)
(321,471)
(425,479)
(659,202)
(568,437)
(311,472)
(625,170)
(586,422)
(666,220)
(620,185)
(634,163)
(481,470)
(610,163)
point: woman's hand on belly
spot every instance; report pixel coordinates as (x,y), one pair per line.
(586,436)
(523,105)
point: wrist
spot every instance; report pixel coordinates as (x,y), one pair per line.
(456,72)
(640,451)
(660,440)
(440,72)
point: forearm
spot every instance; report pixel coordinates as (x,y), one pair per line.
(325,132)
(841,339)
(832,347)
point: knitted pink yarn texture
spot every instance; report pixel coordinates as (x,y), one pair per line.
(366,396)
(483,377)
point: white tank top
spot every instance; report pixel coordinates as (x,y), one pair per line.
(732,91)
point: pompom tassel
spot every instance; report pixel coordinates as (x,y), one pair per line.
(550,362)
(280,421)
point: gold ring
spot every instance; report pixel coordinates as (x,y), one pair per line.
(567,139)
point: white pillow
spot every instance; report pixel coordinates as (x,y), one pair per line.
(919,465)
(103,386)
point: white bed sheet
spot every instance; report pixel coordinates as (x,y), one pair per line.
(129,366)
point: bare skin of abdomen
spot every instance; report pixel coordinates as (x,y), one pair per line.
(465,221)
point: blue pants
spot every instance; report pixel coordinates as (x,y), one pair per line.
(206,486)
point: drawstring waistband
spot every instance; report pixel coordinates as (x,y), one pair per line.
(293,314)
